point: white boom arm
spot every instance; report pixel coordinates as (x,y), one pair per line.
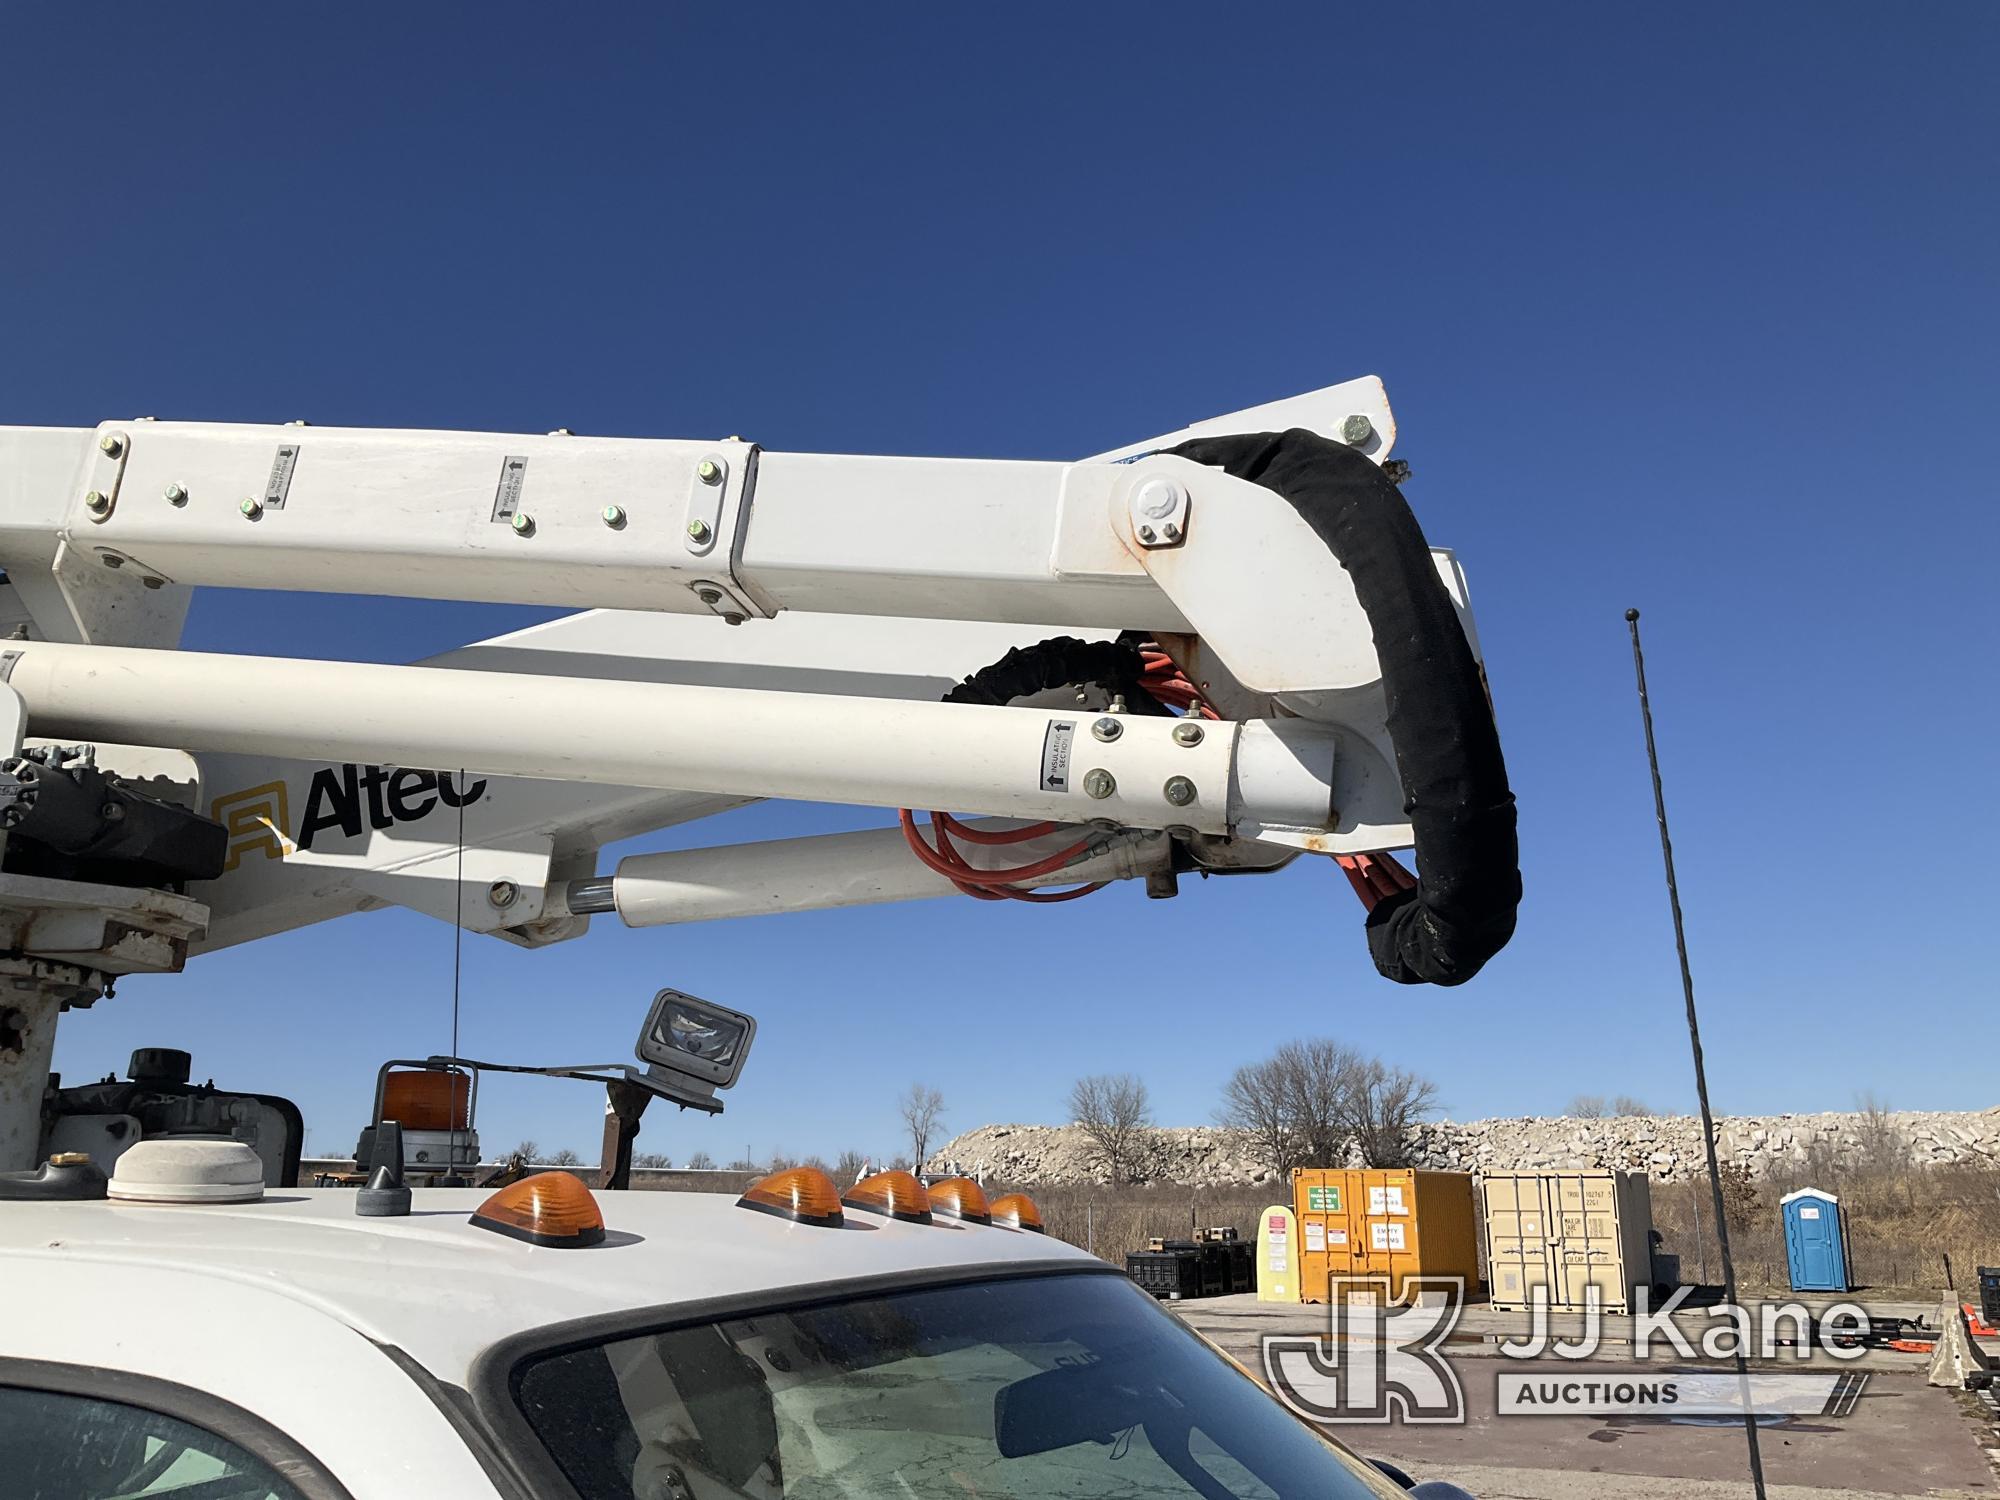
(1258,572)
(614,721)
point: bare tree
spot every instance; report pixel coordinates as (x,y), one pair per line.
(528,1151)
(1880,1146)
(1381,1107)
(1114,1113)
(656,1160)
(701,1161)
(1629,1107)
(848,1168)
(1586,1107)
(1254,1104)
(564,1158)
(1318,1078)
(920,1107)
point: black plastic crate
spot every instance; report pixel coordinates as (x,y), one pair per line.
(1176,1271)
(1242,1266)
(1219,1274)
(1989,1296)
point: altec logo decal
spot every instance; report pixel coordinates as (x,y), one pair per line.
(348,798)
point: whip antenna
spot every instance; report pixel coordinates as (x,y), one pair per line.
(1694,1042)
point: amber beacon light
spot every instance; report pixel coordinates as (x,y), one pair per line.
(1018,1211)
(551,1209)
(804,1195)
(960,1198)
(898,1195)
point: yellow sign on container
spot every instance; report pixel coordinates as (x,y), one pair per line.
(1277,1255)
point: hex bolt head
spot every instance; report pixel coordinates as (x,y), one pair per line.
(1107,728)
(1147,534)
(1187,732)
(698,531)
(251,508)
(708,471)
(97,500)
(502,894)
(1171,532)
(1179,791)
(522,522)
(709,596)
(614,516)
(1356,430)
(1099,784)
(111,444)
(112,560)
(177,494)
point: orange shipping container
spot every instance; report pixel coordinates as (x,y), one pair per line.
(1392,1222)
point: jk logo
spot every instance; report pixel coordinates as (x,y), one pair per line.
(1381,1360)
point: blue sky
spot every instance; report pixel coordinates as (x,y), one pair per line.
(1690,308)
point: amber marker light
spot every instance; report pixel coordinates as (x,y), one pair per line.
(959,1198)
(896,1194)
(1018,1211)
(805,1195)
(551,1209)
(427,1099)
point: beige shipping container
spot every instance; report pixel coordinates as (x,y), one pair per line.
(1568,1232)
(1390,1222)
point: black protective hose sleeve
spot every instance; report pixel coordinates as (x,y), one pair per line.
(1447,749)
(1063,661)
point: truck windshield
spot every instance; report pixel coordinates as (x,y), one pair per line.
(1045,1386)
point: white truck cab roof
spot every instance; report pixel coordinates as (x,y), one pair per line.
(291,1349)
(443,1289)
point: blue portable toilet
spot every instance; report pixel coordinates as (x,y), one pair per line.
(1815,1246)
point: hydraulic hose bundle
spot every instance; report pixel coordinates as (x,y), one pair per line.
(1438,927)
(1462,910)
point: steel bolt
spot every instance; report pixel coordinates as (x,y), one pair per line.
(708,471)
(1187,732)
(1356,430)
(503,893)
(709,596)
(1099,784)
(97,500)
(1171,532)
(177,494)
(1146,533)
(1107,728)
(1179,790)
(522,522)
(112,560)
(111,443)
(251,507)
(698,531)
(614,516)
